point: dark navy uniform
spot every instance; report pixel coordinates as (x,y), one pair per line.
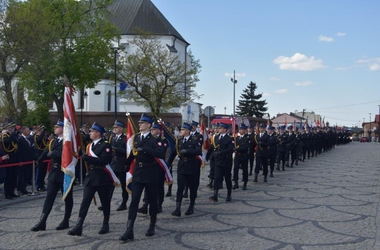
(188,170)
(55,183)
(118,164)
(223,147)
(145,175)
(281,148)
(9,144)
(97,180)
(262,153)
(272,149)
(241,158)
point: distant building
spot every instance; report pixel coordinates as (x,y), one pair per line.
(127,15)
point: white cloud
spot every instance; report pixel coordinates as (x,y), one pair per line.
(372,63)
(266,94)
(374,67)
(303,84)
(340,68)
(298,62)
(281,91)
(322,38)
(341,34)
(274,78)
(236,75)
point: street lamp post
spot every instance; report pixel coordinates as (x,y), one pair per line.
(234,82)
(369,130)
(115,51)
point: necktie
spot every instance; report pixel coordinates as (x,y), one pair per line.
(221,137)
(142,137)
(27,141)
(184,140)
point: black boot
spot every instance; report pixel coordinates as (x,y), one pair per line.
(105,227)
(159,207)
(143,209)
(236,185)
(228,196)
(77,230)
(128,235)
(296,162)
(245,186)
(186,192)
(41,225)
(265,178)
(210,185)
(151,229)
(177,211)
(283,167)
(256,176)
(64,224)
(190,210)
(291,165)
(278,167)
(169,193)
(271,173)
(123,206)
(214,198)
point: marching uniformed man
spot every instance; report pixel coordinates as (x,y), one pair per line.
(156,131)
(262,142)
(272,149)
(55,181)
(188,170)
(281,148)
(197,136)
(98,179)
(242,143)
(292,146)
(9,144)
(145,149)
(251,151)
(118,163)
(209,157)
(223,147)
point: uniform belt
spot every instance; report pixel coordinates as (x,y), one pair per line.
(143,164)
(92,167)
(56,165)
(187,158)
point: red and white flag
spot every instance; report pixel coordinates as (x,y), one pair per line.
(71,142)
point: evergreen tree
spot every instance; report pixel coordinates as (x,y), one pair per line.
(250,104)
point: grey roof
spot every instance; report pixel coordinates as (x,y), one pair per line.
(129,14)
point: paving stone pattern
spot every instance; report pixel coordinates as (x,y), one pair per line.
(328,202)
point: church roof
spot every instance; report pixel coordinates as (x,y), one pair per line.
(143,14)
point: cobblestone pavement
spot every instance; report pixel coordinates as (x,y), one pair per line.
(328,202)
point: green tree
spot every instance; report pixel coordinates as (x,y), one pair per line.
(157,79)
(250,104)
(80,49)
(21,38)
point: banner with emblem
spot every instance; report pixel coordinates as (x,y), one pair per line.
(71,141)
(130,134)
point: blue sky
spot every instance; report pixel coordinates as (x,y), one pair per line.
(321,56)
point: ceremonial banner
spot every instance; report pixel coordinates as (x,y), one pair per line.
(71,142)
(131,131)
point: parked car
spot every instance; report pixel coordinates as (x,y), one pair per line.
(355,138)
(364,139)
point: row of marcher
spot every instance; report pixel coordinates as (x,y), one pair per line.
(227,155)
